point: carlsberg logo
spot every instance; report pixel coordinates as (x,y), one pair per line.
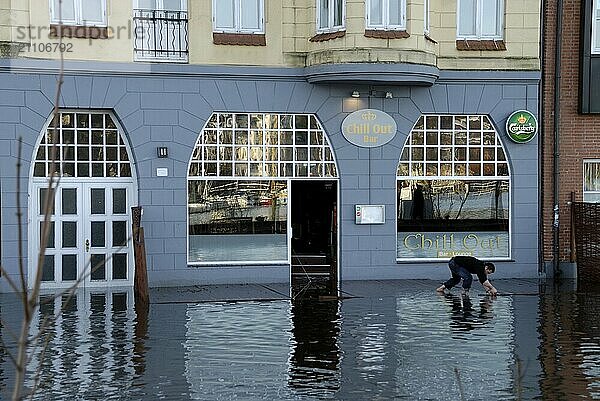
(521,126)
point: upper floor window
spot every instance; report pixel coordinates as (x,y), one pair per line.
(596,27)
(591,180)
(170,5)
(78,12)
(238,16)
(161,30)
(480,19)
(386,14)
(330,15)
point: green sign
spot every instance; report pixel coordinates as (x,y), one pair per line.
(521,126)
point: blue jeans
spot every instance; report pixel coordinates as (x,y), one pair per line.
(458,273)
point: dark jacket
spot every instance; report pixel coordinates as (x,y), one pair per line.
(473,266)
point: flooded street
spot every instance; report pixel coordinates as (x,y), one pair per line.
(384,341)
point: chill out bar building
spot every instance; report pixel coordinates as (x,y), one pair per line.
(329,161)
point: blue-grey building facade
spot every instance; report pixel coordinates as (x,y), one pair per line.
(169,106)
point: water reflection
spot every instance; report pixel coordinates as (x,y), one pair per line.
(464,316)
(403,343)
(315,355)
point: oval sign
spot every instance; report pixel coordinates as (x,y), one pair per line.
(369,128)
(521,126)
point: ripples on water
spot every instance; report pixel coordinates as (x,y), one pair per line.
(403,344)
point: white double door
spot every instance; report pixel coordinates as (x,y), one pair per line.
(89,236)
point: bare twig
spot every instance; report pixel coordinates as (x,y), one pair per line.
(29,301)
(461,391)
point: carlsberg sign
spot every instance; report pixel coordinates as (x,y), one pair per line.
(521,126)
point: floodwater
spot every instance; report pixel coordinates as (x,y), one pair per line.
(383,341)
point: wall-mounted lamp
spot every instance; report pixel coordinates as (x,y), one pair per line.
(355,93)
(162,152)
(389,95)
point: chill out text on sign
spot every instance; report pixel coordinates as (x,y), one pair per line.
(369,128)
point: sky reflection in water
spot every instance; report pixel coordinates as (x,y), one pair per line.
(405,342)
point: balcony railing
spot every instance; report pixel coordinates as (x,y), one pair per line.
(161,35)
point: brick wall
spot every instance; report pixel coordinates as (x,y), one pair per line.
(579,134)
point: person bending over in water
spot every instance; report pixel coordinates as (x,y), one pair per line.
(463,268)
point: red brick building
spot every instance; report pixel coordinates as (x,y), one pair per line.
(570,125)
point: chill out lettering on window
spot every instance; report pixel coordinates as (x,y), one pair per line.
(451,241)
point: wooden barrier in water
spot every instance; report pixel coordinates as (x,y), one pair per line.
(140,284)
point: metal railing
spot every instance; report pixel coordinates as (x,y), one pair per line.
(160,35)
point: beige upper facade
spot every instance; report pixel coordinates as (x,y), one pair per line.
(289,35)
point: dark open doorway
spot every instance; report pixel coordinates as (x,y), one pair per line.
(314,235)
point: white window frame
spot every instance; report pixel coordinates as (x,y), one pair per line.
(426,18)
(385,18)
(237,19)
(478,22)
(590,192)
(500,160)
(161,6)
(595,26)
(54,17)
(330,18)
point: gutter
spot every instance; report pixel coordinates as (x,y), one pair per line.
(556,140)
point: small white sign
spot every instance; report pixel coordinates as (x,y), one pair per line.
(370,214)
(162,172)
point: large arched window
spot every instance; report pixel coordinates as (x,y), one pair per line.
(453,190)
(238,182)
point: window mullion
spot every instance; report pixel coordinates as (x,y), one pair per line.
(237,16)
(331,14)
(78,12)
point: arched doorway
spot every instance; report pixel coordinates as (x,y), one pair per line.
(262,189)
(89,235)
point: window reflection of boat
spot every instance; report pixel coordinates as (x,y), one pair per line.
(240,225)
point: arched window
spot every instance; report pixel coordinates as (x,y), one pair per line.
(453,190)
(238,181)
(90,224)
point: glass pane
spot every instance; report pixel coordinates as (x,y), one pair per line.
(119,301)
(376,12)
(338,12)
(92,12)
(233,220)
(119,201)
(98,267)
(250,14)
(64,10)
(466,17)
(147,4)
(69,234)
(119,266)
(50,240)
(39,170)
(98,231)
(395,12)
(591,176)
(453,212)
(119,229)
(97,201)
(83,169)
(596,25)
(324,13)
(48,268)
(69,267)
(489,17)
(69,201)
(224,16)
(43,196)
